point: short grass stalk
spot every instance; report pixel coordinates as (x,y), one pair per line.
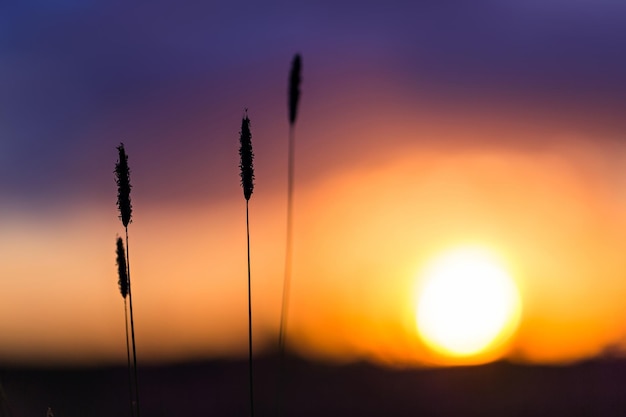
(123,287)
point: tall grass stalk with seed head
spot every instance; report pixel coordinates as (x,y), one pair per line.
(294,97)
(247,183)
(122,283)
(122,178)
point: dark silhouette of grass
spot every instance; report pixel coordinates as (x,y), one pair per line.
(247,183)
(294,97)
(122,175)
(295,77)
(122,282)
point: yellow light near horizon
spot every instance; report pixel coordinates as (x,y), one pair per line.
(467,305)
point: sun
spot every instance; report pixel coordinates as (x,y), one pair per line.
(467,304)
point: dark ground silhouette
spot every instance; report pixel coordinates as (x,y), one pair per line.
(220,388)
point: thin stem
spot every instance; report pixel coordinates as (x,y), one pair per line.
(132,327)
(282,337)
(130,373)
(249,314)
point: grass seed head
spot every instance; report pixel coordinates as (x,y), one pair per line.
(122,178)
(294,87)
(121,268)
(247,157)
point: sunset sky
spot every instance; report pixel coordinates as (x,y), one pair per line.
(421,128)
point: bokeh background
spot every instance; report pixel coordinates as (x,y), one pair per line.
(422,126)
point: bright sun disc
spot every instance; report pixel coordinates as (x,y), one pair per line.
(467,304)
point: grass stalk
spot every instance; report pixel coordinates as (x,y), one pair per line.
(295,77)
(122,174)
(123,286)
(247,183)
(282,335)
(132,329)
(130,374)
(249,317)
(293,97)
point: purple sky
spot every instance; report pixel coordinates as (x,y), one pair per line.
(172,79)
